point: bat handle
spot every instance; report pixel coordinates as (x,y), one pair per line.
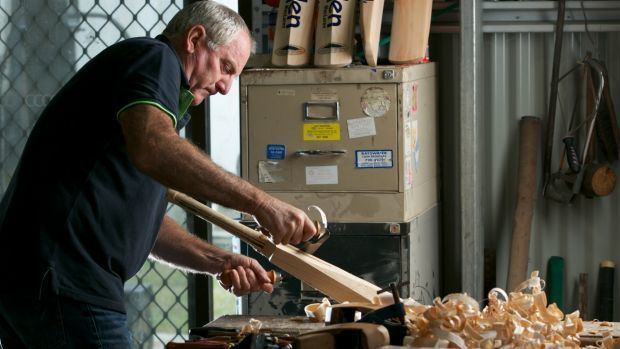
(226,282)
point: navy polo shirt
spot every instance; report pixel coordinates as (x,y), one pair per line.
(78,218)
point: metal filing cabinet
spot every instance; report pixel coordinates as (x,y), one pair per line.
(361,143)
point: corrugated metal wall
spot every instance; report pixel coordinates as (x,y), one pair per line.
(517,69)
(517,78)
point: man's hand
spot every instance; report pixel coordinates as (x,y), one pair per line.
(246,275)
(286,223)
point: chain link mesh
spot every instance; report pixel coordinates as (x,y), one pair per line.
(42,44)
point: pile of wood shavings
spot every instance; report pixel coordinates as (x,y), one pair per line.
(521,320)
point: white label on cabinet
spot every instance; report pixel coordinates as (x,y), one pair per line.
(361,127)
(316,175)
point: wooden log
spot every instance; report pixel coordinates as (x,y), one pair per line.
(599,180)
(529,138)
(325,277)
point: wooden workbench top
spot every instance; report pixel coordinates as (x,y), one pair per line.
(293,325)
(296,325)
(592,331)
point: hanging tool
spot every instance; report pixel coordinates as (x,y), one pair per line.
(553,96)
(596,66)
(572,158)
(563,187)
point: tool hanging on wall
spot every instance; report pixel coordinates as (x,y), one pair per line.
(599,178)
(585,174)
(553,97)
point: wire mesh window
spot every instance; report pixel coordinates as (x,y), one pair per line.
(42,44)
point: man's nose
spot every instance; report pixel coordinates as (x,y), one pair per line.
(223,86)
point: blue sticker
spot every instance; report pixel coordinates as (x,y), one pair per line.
(373,159)
(276,151)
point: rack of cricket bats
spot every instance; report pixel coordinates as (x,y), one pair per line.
(321,32)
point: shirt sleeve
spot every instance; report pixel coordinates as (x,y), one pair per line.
(152,77)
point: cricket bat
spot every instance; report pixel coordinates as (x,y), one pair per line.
(325,277)
(333,43)
(371,13)
(293,35)
(411,25)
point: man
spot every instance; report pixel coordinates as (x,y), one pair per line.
(86,205)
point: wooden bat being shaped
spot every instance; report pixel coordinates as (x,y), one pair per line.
(325,277)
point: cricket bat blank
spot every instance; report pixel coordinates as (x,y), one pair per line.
(323,276)
(371,13)
(410,28)
(293,36)
(333,44)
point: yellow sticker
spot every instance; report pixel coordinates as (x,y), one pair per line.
(322,131)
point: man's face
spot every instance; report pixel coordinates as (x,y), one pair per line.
(215,70)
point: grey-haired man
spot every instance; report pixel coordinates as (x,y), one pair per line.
(86,205)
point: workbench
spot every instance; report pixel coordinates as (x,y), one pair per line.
(295,325)
(278,325)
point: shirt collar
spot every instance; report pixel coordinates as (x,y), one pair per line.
(165,40)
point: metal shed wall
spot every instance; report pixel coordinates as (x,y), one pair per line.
(517,69)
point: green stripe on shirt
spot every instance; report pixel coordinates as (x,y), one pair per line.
(153,103)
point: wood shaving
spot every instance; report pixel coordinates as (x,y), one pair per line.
(253,326)
(521,319)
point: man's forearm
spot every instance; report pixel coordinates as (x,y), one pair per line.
(176,246)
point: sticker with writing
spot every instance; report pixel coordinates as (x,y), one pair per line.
(329,131)
(373,159)
(276,151)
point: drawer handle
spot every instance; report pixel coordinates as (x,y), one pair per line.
(333,105)
(320,152)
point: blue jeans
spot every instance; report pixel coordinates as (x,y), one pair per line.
(51,321)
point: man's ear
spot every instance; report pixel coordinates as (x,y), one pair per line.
(193,36)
